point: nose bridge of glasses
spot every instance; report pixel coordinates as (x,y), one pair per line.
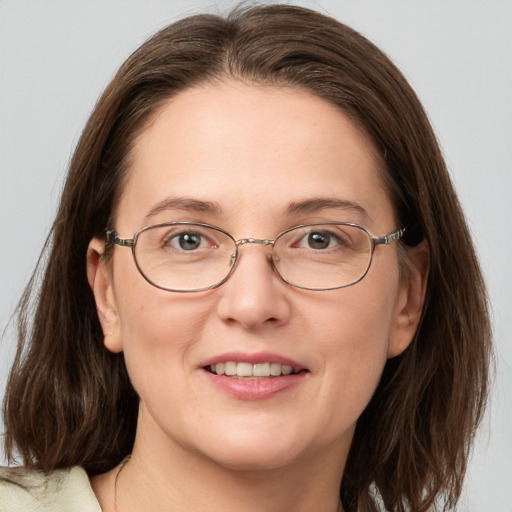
(257,241)
(260,241)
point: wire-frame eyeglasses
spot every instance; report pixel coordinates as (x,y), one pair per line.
(195,257)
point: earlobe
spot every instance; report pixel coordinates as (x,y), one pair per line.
(409,306)
(100,281)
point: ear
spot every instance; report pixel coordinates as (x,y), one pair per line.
(411,297)
(100,281)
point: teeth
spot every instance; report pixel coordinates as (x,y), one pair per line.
(261,370)
(232,368)
(275,369)
(286,370)
(244,370)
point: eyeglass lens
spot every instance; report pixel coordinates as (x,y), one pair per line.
(191,257)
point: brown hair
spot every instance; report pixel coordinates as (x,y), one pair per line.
(70,402)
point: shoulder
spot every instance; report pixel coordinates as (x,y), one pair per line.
(25,490)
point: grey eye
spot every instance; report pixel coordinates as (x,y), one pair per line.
(186,241)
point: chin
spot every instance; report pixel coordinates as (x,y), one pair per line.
(255,460)
(257,452)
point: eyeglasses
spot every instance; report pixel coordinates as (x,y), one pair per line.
(194,257)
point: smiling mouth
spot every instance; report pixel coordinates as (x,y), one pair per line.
(249,370)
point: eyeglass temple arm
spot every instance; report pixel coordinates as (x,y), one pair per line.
(389,238)
(112,238)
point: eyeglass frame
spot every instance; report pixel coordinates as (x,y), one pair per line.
(114,239)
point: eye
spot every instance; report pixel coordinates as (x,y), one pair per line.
(186,241)
(319,240)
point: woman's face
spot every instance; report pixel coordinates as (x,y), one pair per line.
(253,160)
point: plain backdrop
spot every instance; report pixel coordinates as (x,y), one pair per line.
(57,56)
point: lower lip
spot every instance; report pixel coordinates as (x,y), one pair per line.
(259,388)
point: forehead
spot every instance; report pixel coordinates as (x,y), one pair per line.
(253,148)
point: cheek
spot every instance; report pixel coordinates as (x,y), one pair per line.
(159,332)
(355,320)
(356,343)
(150,318)
(353,334)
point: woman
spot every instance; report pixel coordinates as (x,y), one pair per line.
(260,292)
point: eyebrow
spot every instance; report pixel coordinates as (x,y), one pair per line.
(321,203)
(213,208)
(184,203)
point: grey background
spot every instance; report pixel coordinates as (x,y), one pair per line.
(57,56)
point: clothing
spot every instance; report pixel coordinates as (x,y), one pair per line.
(63,490)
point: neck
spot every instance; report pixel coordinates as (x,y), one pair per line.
(168,476)
(188,489)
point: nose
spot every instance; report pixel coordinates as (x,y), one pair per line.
(254,296)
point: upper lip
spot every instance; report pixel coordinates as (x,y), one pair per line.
(253,358)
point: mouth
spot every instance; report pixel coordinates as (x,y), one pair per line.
(247,370)
(253,376)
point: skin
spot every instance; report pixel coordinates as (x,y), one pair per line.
(252,150)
